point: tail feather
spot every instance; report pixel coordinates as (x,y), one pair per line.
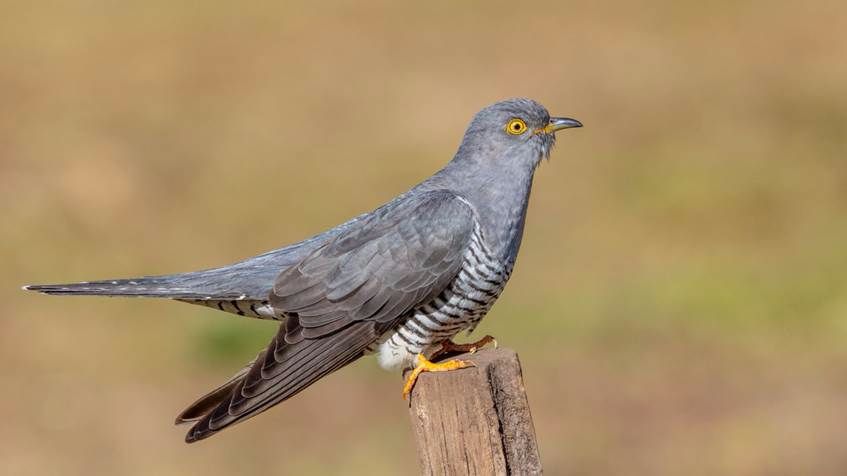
(172,287)
(251,278)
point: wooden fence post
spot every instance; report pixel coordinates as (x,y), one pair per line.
(475,420)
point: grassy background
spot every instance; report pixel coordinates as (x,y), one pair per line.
(680,304)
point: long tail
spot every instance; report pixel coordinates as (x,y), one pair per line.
(250,279)
(178,286)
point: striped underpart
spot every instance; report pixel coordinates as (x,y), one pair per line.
(460,306)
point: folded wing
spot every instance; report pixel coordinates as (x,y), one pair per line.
(343,296)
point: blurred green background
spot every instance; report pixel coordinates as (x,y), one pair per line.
(680,304)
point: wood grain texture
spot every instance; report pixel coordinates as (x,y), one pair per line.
(475,421)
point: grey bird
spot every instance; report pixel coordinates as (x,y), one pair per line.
(400,281)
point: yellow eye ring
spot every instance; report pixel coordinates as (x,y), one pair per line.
(516,127)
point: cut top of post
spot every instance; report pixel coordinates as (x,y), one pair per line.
(475,420)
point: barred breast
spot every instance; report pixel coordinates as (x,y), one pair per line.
(460,306)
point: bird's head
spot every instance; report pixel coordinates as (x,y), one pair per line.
(517,130)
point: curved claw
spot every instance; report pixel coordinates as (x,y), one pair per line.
(424,365)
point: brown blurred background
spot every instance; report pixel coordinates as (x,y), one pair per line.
(680,304)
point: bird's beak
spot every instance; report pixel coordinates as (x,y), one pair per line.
(559,123)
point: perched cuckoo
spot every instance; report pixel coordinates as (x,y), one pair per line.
(400,281)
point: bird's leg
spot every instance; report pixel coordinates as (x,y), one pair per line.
(447,347)
(450,347)
(424,365)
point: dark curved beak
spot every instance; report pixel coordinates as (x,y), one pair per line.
(559,123)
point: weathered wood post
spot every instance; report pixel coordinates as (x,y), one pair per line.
(475,420)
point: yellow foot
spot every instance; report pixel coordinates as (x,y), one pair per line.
(450,347)
(425,365)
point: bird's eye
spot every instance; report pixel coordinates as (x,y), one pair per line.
(516,126)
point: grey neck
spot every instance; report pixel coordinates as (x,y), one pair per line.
(500,198)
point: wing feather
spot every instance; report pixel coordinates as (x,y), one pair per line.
(344,295)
